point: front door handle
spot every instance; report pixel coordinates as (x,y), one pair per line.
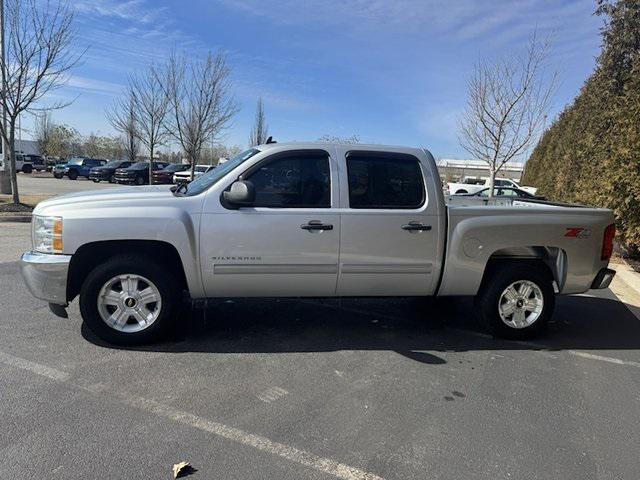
(315,225)
(416,227)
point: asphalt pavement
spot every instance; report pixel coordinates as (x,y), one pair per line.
(319,389)
(43,183)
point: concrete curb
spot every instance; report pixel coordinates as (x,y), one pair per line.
(628,275)
(16,217)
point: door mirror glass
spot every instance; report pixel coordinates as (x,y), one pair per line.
(242,193)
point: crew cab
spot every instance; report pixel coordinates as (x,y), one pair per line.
(472,186)
(309,220)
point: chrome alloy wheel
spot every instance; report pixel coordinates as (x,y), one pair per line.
(521,304)
(129,303)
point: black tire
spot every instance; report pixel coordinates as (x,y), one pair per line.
(95,180)
(58,175)
(73,174)
(112,179)
(489,299)
(164,280)
(140,180)
(27,168)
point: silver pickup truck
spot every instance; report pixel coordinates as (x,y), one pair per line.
(309,220)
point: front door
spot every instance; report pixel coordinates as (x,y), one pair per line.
(286,244)
(389,228)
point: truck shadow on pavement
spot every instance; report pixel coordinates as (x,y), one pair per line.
(416,328)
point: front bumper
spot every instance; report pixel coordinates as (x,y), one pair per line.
(126,180)
(603,278)
(46,276)
(99,176)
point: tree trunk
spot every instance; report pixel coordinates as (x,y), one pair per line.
(492,179)
(192,159)
(151,166)
(11,150)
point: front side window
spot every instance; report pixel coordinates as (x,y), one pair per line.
(378,181)
(300,180)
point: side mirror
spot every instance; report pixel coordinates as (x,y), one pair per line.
(241,194)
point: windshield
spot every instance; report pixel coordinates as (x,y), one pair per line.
(212,176)
(75,161)
(113,164)
(175,167)
(139,165)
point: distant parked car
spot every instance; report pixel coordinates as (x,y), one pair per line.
(471,186)
(166,174)
(107,172)
(511,192)
(138,173)
(77,167)
(36,161)
(185,176)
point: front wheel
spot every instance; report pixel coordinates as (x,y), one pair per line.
(516,301)
(129,300)
(139,180)
(73,174)
(27,168)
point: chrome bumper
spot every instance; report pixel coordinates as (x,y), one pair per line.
(46,276)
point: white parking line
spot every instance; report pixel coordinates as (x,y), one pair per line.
(293,454)
(33,367)
(271,394)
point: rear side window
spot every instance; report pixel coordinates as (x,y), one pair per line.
(384,181)
(300,180)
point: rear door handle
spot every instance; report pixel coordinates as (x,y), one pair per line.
(416,227)
(316,225)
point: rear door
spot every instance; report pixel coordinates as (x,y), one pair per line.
(389,237)
(286,244)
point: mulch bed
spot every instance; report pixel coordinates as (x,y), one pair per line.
(10,207)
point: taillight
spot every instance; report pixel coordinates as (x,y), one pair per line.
(607,242)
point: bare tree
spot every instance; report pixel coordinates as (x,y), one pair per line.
(200,101)
(508,101)
(259,130)
(326,138)
(44,133)
(122,117)
(152,105)
(36,61)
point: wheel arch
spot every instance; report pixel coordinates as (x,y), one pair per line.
(552,260)
(90,255)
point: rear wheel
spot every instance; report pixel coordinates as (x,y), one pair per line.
(129,300)
(112,179)
(516,301)
(58,175)
(73,174)
(28,168)
(139,180)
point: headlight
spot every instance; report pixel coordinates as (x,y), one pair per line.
(47,234)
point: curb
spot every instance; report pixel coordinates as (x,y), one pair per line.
(628,275)
(21,218)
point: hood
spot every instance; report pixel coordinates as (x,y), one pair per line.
(125,196)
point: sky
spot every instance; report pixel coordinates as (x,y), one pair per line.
(388,71)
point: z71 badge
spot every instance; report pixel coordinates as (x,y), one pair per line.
(578,232)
